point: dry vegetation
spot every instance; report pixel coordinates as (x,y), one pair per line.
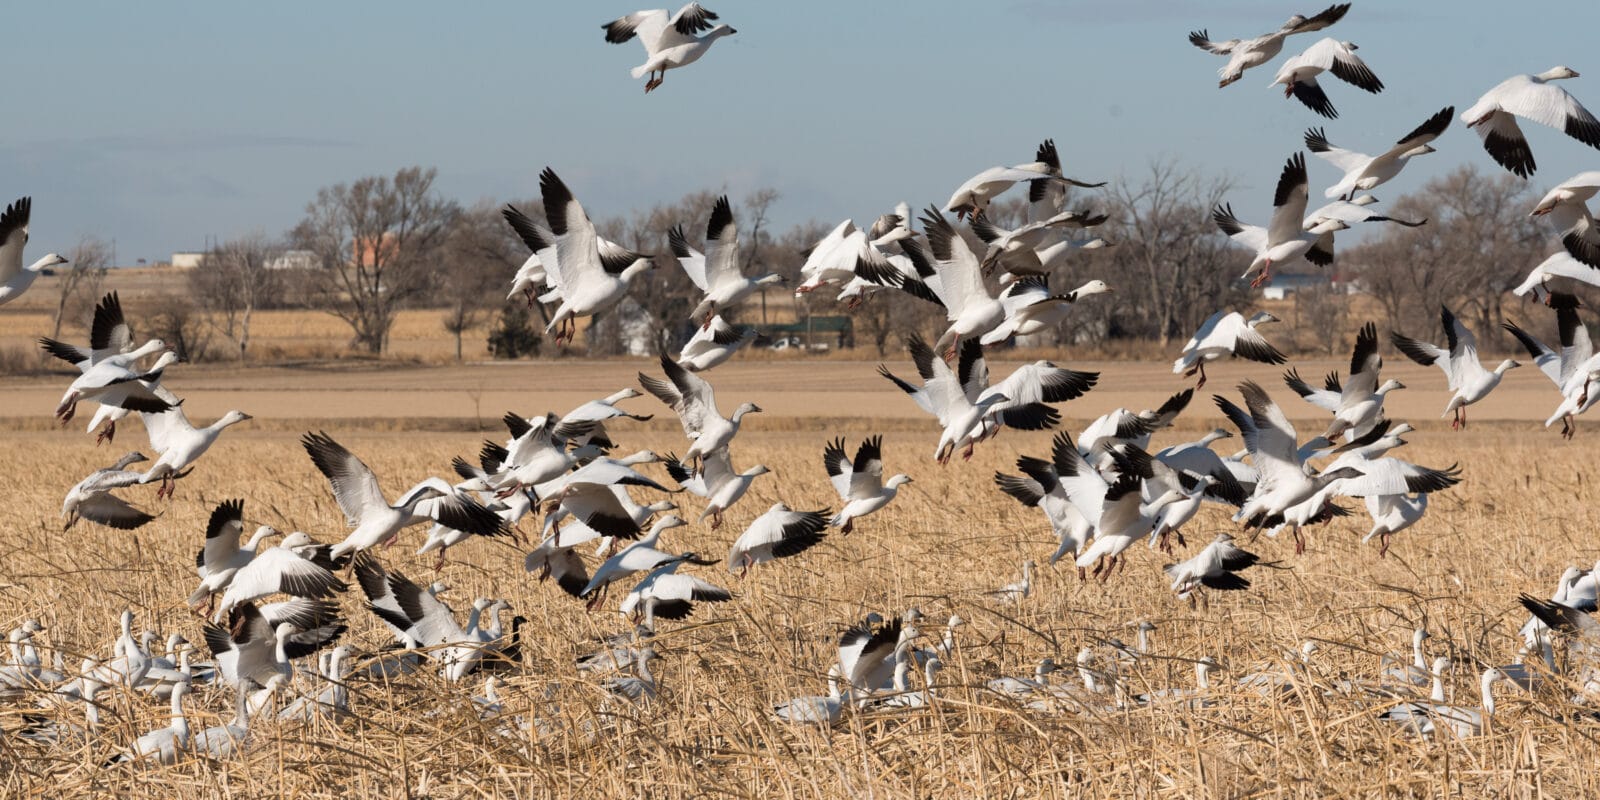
(949,538)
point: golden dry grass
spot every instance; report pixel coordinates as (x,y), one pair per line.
(1523,512)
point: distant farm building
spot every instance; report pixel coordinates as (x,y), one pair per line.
(188,260)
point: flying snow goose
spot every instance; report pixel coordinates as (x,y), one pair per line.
(970,308)
(1047,198)
(1559,264)
(717,272)
(417,616)
(1363,172)
(1226,334)
(714,343)
(1566,207)
(715,481)
(110,339)
(778,533)
(599,473)
(1112,506)
(119,384)
(1196,456)
(592,274)
(944,396)
(91,498)
(1464,373)
(1573,369)
(510,510)
(860,483)
(1017,249)
(823,710)
(695,402)
(1030,307)
(14,277)
(1192,490)
(1299,74)
(259,643)
(1361,400)
(1284,240)
(867,650)
(1124,426)
(639,556)
(973,196)
(1348,213)
(1531,97)
(278,570)
(594,414)
(180,443)
(1392,513)
(374,520)
(1214,567)
(539,450)
(1040,489)
(669,40)
(666,594)
(834,257)
(1246,53)
(606,509)
(222,551)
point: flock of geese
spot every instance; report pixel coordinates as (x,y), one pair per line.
(266,609)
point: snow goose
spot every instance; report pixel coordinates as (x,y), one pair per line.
(1040,489)
(778,533)
(695,402)
(639,556)
(276,570)
(1363,172)
(119,384)
(860,483)
(1559,264)
(538,451)
(598,475)
(973,196)
(592,274)
(1573,370)
(1413,715)
(945,397)
(834,257)
(714,343)
(110,339)
(1119,517)
(222,553)
(1531,97)
(1124,426)
(259,643)
(1395,668)
(1298,75)
(1192,490)
(162,745)
(1019,589)
(1464,373)
(904,697)
(715,481)
(823,710)
(1361,399)
(666,594)
(594,414)
(14,277)
(1427,719)
(1351,212)
(1030,307)
(359,496)
(1392,513)
(1017,249)
(1226,334)
(1283,241)
(181,444)
(1197,457)
(1579,628)
(1246,53)
(606,509)
(1277,679)
(641,685)
(669,39)
(867,651)
(716,272)
(1274,449)
(970,308)
(419,618)
(91,498)
(511,511)
(1566,207)
(1016,687)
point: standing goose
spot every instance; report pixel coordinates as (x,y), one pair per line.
(779,533)
(860,483)
(1226,334)
(1299,74)
(823,710)
(1363,172)
(91,498)
(669,40)
(1459,360)
(715,481)
(974,195)
(1531,97)
(1283,240)
(162,745)
(1246,53)
(592,274)
(1566,206)
(359,496)
(696,405)
(181,444)
(1020,589)
(714,343)
(14,277)
(716,272)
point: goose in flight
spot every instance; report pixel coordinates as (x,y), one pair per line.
(276,570)
(537,452)
(374,520)
(942,394)
(640,556)
(592,274)
(110,340)
(259,643)
(859,482)
(1559,264)
(716,272)
(1361,400)
(180,443)
(1283,240)
(666,594)
(1039,488)
(1030,307)
(1217,566)
(1363,172)
(1112,502)
(974,195)
(1566,206)
(833,259)
(1246,53)
(1575,370)
(222,556)
(119,383)
(779,533)
(714,343)
(695,402)
(1464,373)
(91,498)
(1017,249)
(867,651)
(1226,334)
(1348,212)
(669,39)
(1535,98)
(1298,75)
(715,480)
(14,277)
(970,308)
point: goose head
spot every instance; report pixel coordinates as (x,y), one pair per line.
(1096,286)
(1389,386)
(1557,73)
(661,506)
(743,409)
(167,359)
(759,469)
(233,418)
(49,260)
(641,457)
(771,278)
(296,539)
(1215,435)
(1508,364)
(261,533)
(149,348)
(1260,318)
(666,523)
(134,457)
(896,481)
(720,31)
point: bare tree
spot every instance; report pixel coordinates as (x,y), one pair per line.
(81,279)
(479,258)
(234,280)
(378,240)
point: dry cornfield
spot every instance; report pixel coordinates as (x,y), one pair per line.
(1520,516)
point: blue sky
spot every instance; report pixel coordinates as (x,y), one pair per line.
(159,124)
